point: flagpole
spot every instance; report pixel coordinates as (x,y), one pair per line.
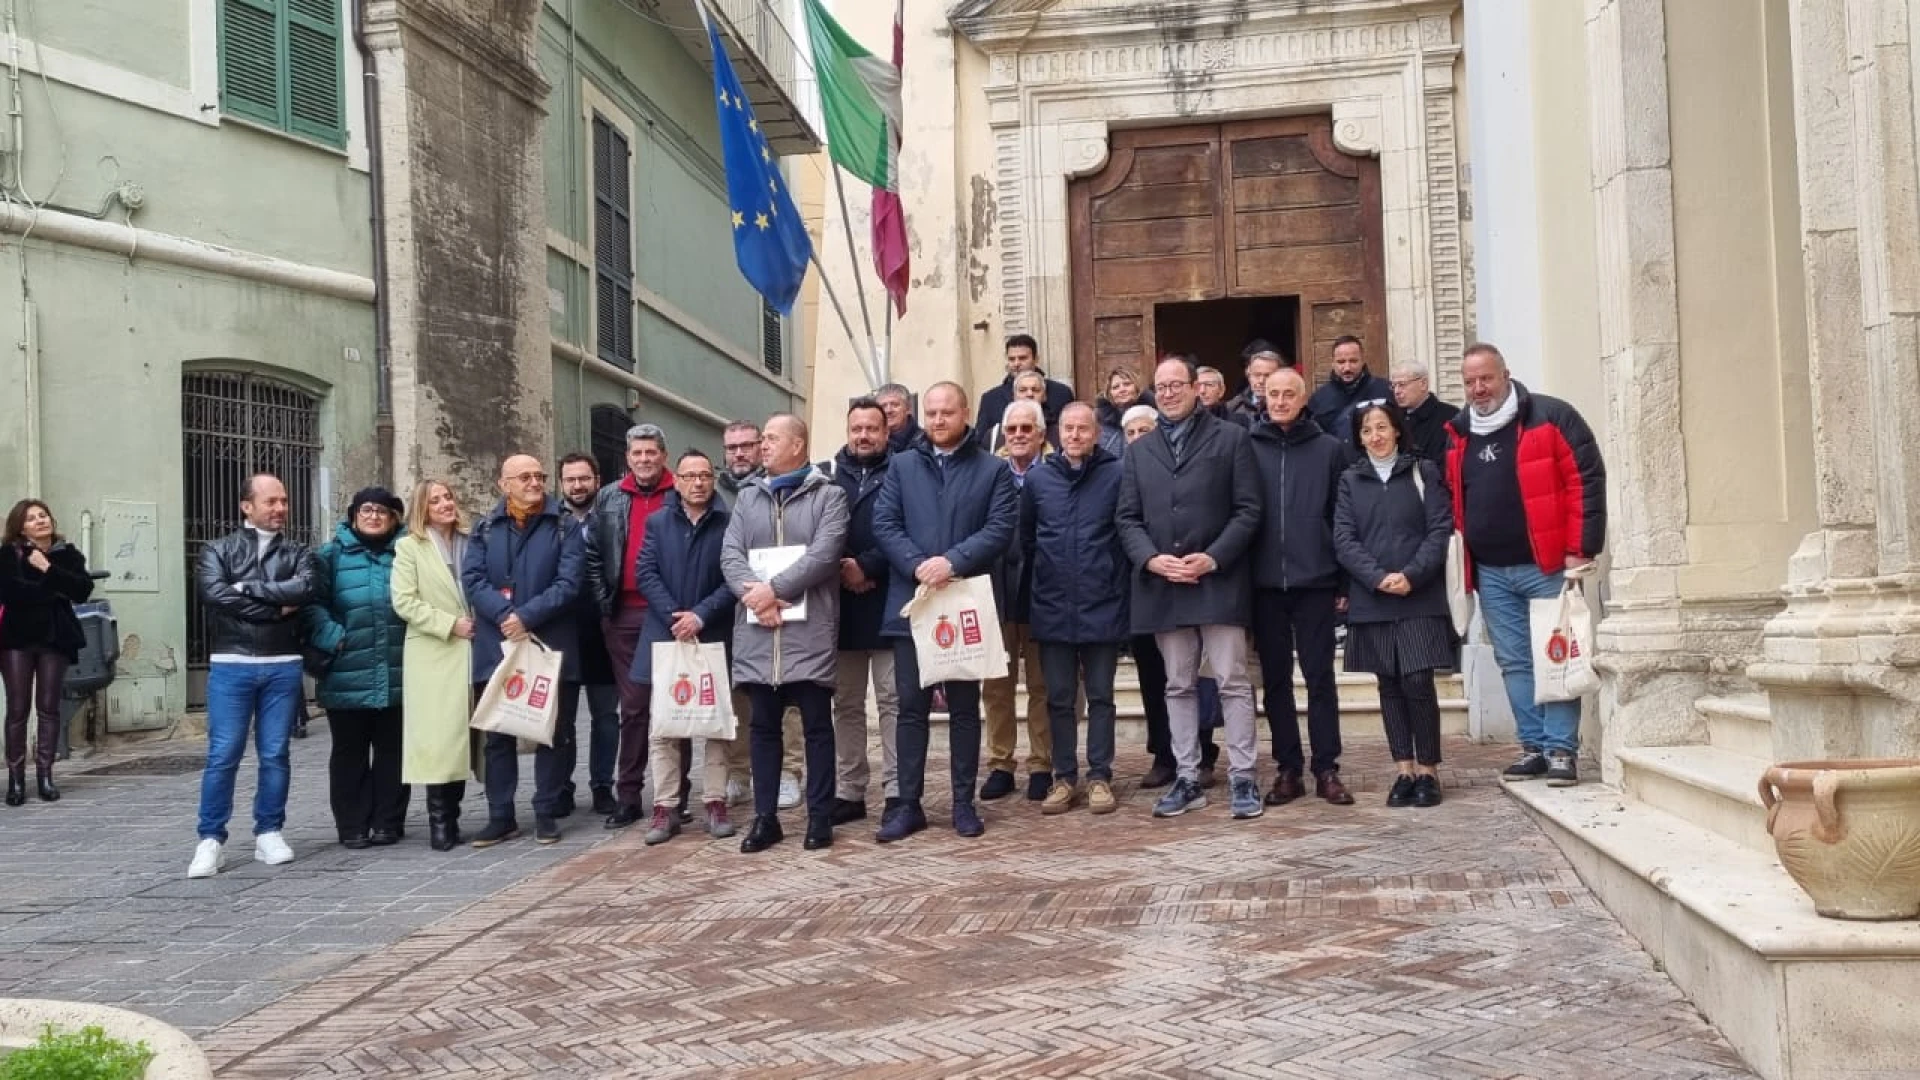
(886,371)
(866,368)
(853,253)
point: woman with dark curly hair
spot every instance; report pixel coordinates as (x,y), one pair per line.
(41,578)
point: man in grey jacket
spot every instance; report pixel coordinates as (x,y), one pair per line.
(1189,513)
(786,629)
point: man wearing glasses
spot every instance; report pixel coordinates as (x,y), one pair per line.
(1189,513)
(1427,415)
(524,566)
(1023,428)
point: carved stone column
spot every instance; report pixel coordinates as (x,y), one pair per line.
(461,104)
(1842,663)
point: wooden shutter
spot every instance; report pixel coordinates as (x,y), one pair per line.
(250,59)
(773,340)
(612,244)
(315,97)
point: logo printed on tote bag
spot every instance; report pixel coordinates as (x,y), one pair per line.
(707,696)
(542,685)
(1559,648)
(970,626)
(682,690)
(944,634)
(516,686)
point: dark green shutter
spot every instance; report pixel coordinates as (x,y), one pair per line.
(315,99)
(281,64)
(250,59)
(773,340)
(613,244)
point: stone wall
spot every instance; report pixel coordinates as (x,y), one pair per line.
(461,107)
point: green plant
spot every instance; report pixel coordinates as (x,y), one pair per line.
(87,1054)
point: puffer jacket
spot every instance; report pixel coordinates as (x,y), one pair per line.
(680,571)
(965,512)
(1563,480)
(1386,527)
(815,515)
(351,619)
(1079,570)
(246,592)
(862,614)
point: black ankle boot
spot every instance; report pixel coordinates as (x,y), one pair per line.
(443,813)
(819,832)
(16,786)
(49,791)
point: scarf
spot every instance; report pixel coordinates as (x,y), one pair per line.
(1176,431)
(522,516)
(1499,418)
(788,481)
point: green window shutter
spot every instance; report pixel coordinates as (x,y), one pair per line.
(316,99)
(250,60)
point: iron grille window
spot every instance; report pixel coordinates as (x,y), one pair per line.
(612,244)
(281,64)
(233,426)
(608,437)
(773,340)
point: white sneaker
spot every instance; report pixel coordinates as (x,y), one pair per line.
(737,793)
(789,791)
(269,848)
(207,858)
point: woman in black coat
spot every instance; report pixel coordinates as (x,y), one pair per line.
(1391,523)
(41,578)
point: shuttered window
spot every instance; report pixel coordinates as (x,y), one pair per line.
(281,65)
(612,244)
(773,340)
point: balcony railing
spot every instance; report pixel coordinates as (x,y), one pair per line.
(766,55)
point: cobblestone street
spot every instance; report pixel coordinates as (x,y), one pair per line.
(1315,942)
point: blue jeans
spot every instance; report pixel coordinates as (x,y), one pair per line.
(1504,593)
(265,697)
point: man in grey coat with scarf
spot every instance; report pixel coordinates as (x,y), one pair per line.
(1189,512)
(781,656)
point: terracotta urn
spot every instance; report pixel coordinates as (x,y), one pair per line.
(1849,833)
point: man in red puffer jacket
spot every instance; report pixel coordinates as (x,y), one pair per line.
(1530,498)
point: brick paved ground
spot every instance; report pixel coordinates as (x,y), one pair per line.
(1315,942)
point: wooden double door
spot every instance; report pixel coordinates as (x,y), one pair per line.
(1200,237)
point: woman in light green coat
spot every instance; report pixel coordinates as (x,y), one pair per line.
(436,744)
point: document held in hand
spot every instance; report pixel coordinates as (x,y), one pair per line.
(768,563)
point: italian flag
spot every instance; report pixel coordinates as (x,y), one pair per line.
(860,96)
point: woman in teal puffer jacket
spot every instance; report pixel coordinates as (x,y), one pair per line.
(355,636)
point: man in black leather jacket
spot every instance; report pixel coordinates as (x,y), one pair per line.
(253,583)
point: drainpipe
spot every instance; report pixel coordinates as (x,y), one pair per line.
(376,213)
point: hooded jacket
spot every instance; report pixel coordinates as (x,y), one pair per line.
(351,619)
(813,514)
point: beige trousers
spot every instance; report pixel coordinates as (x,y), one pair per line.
(997,699)
(852,769)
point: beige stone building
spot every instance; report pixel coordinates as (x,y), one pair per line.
(1698,220)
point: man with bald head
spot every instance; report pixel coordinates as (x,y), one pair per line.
(946,510)
(1297,586)
(525,565)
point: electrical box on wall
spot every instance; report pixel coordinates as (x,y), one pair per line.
(633,399)
(138,704)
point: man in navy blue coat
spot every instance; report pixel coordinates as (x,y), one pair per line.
(523,569)
(946,510)
(1079,613)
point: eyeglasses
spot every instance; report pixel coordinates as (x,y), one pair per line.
(694,477)
(371,510)
(735,447)
(1018,429)
(528,478)
(1408,381)
(1170,387)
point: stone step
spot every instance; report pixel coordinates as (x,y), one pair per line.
(1709,786)
(1353,688)
(1741,940)
(1742,723)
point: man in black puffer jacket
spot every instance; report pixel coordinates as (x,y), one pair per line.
(1297,584)
(253,583)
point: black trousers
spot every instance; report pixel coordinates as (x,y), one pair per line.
(768,705)
(1410,710)
(363,771)
(550,763)
(912,735)
(1152,670)
(33,679)
(1285,620)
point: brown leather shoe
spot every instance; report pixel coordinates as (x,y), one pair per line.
(1327,786)
(1286,788)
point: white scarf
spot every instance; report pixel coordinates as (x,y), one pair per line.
(1499,418)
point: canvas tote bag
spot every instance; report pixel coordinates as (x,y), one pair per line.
(691,696)
(1563,645)
(1459,600)
(956,632)
(522,697)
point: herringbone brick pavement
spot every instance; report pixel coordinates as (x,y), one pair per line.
(1316,942)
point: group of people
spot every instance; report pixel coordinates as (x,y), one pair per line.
(1165,520)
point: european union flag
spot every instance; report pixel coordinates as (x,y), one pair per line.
(769,239)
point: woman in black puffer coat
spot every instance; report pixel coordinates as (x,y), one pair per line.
(41,578)
(1391,524)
